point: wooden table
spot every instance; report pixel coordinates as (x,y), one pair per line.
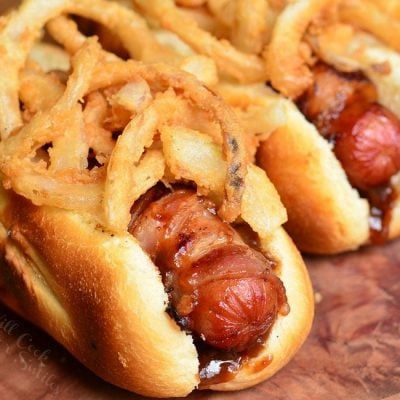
(353,351)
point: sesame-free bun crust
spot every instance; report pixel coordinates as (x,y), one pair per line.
(102,298)
(394,227)
(325,214)
(98,295)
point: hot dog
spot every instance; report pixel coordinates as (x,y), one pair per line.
(351,113)
(368,145)
(366,135)
(85,294)
(222,290)
(351,101)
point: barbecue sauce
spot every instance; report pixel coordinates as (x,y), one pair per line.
(381,200)
(217,365)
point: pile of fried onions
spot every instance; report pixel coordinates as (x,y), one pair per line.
(269,40)
(274,42)
(84,130)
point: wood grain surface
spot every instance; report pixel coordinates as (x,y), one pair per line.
(353,351)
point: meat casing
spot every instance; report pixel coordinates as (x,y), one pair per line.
(366,135)
(221,289)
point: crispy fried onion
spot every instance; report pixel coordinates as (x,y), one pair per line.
(241,66)
(250,25)
(33,83)
(62,179)
(164,77)
(351,50)
(24,27)
(390,7)
(189,154)
(223,11)
(287,55)
(65,31)
(370,17)
(260,110)
(93,141)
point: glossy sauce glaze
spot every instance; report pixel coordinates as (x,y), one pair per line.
(365,137)
(222,291)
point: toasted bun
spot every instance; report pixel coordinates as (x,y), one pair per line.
(103,299)
(100,296)
(394,227)
(326,215)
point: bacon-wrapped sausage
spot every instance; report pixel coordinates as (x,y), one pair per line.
(220,288)
(366,135)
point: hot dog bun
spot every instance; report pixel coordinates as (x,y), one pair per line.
(59,264)
(326,214)
(98,295)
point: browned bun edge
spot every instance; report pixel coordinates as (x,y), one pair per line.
(325,214)
(102,298)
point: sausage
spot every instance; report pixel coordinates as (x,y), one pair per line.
(368,145)
(331,92)
(223,291)
(366,136)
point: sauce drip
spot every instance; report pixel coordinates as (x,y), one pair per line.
(381,200)
(218,367)
(249,237)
